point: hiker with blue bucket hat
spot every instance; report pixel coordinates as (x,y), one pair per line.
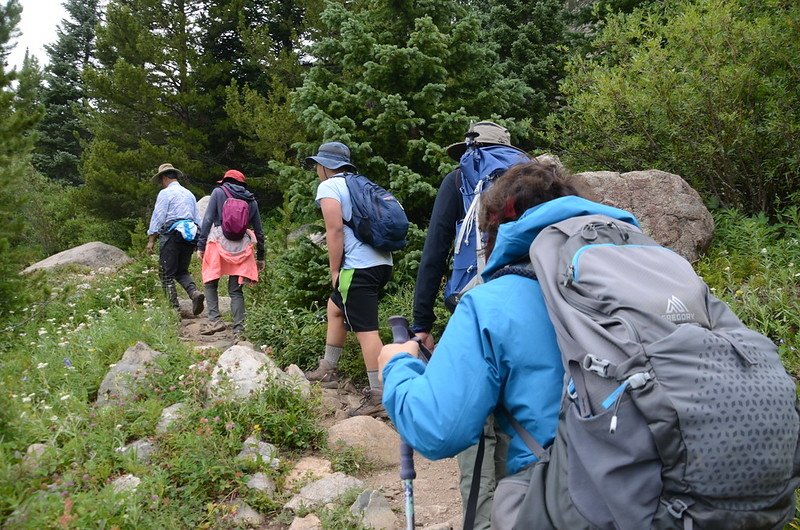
(358,274)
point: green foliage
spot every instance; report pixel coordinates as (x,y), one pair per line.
(705,89)
(531,44)
(754,266)
(58,148)
(397,83)
(349,459)
(56,352)
(16,122)
(56,219)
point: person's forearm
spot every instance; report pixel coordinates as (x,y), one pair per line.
(335,241)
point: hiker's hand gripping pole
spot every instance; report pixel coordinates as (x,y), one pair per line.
(400,334)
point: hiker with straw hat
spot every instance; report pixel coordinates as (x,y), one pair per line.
(175,221)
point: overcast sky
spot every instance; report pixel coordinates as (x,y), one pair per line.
(38,27)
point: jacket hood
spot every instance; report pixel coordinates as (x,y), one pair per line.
(514,238)
(239,191)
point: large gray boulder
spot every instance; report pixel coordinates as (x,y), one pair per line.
(669,210)
(120,382)
(95,255)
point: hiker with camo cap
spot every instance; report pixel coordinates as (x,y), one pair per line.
(358,274)
(174,222)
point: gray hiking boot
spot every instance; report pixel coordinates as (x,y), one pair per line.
(371,405)
(325,374)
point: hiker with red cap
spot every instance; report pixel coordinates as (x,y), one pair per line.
(225,246)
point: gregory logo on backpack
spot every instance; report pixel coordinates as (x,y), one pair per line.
(378,218)
(685,419)
(677,311)
(235,216)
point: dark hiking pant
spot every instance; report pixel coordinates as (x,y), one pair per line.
(237,302)
(175,255)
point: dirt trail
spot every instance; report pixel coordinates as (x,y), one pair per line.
(436,496)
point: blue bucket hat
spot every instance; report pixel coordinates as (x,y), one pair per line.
(332,155)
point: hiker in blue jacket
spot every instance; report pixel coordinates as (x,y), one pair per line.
(499,347)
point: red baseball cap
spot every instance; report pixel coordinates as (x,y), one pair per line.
(234,174)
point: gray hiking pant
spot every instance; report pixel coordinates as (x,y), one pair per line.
(237,302)
(493,468)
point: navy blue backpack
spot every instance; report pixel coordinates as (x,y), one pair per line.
(378,218)
(478,168)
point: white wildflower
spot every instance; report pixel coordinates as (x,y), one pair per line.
(42,331)
(41,365)
(53,418)
(26,399)
(65,397)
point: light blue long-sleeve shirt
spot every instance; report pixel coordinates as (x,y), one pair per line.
(174,202)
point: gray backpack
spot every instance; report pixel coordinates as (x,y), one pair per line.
(675,414)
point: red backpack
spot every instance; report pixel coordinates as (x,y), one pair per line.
(235,216)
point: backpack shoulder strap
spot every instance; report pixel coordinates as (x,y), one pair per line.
(226,191)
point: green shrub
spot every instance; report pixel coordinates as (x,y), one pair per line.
(754,266)
(706,89)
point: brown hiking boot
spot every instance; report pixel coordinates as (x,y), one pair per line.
(325,374)
(371,405)
(213,327)
(197,302)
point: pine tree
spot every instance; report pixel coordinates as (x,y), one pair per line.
(58,150)
(15,145)
(146,108)
(397,82)
(531,39)
(250,51)
(28,98)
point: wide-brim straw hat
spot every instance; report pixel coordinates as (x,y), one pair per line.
(486,133)
(163,169)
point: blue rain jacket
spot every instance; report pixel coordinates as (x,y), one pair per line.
(499,347)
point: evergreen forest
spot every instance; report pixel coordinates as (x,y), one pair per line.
(705,89)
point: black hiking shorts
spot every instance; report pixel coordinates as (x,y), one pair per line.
(356,294)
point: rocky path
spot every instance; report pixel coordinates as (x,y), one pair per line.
(436,495)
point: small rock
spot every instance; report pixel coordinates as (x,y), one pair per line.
(296,379)
(141,449)
(246,516)
(379,441)
(33,455)
(438,526)
(119,383)
(309,522)
(308,468)
(374,510)
(168,416)
(255,448)
(261,482)
(323,491)
(126,483)
(240,372)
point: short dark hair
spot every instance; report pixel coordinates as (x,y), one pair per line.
(522,187)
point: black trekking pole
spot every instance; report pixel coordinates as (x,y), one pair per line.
(400,334)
